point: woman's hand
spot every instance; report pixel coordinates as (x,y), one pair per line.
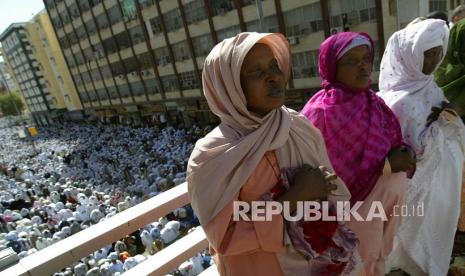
(309,184)
(402,159)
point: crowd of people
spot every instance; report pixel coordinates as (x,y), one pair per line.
(70,177)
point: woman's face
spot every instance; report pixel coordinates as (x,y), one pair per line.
(262,81)
(354,68)
(432,57)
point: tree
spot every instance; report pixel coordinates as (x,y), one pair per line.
(8,101)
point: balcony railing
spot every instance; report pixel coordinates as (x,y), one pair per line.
(65,252)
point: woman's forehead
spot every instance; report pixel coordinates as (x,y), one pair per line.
(258,53)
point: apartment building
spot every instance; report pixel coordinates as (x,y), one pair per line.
(17,52)
(51,63)
(134,60)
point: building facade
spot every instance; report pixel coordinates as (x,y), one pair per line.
(6,80)
(411,9)
(134,60)
(55,73)
(17,52)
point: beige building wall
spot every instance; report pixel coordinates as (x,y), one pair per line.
(51,63)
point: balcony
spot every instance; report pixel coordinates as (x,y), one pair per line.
(65,252)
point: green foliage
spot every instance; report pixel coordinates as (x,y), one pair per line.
(8,101)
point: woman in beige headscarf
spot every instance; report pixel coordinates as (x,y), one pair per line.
(244,80)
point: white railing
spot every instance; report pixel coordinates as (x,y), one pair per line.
(64,253)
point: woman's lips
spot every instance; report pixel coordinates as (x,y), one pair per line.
(276,91)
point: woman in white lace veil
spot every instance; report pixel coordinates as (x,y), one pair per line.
(426,236)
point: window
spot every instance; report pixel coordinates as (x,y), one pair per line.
(228,32)
(84,97)
(92,96)
(169,83)
(195,11)
(270,22)
(347,13)
(137,88)
(152,86)
(303,20)
(102,22)
(202,45)
(124,91)
(57,23)
(221,7)
(188,80)
(117,69)
(144,61)
(84,5)
(438,5)
(155,24)
(91,28)
(123,40)
(114,14)
(95,73)
(146,3)
(81,32)
(109,45)
(305,64)
(113,92)
(247,2)
(131,65)
(106,72)
(94,2)
(364,16)
(137,35)
(102,94)
(180,51)
(74,10)
(162,56)
(172,20)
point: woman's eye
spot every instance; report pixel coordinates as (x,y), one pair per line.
(351,62)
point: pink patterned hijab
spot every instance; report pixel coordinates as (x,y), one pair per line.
(358,128)
(222,161)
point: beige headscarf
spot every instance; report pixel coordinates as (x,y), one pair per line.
(222,161)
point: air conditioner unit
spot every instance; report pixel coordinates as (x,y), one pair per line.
(221,11)
(293,40)
(134,74)
(336,30)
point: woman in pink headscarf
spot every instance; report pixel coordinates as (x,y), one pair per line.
(363,139)
(245,158)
